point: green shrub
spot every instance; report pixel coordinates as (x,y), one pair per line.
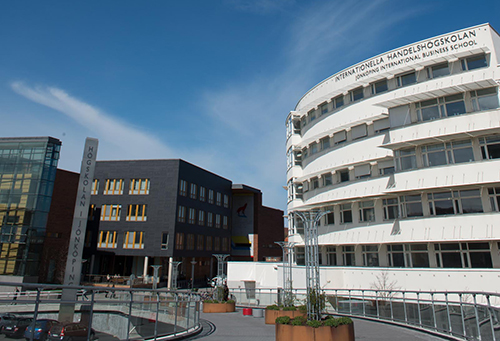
(230,301)
(345,320)
(299,321)
(336,321)
(208,301)
(303,309)
(292,308)
(314,323)
(283,320)
(273,307)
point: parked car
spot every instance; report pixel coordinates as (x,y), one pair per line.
(4,318)
(70,331)
(16,326)
(39,330)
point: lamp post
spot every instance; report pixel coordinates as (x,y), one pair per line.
(193,262)
(287,272)
(311,219)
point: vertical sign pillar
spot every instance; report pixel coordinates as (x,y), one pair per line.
(77,239)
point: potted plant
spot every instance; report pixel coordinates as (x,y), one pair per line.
(222,304)
(329,329)
(274,311)
(299,329)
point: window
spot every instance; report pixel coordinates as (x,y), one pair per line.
(386,167)
(219,199)
(441,107)
(202,193)
(346,213)
(209,243)
(179,241)
(484,99)
(181,217)
(438,70)
(411,206)
(331,255)
(164,241)
(107,239)
(449,153)
(400,116)
(210,219)
(300,256)
(224,222)
(313,147)
(314,183)
(95,187)
(190,241)
(133,240)
(362,171)
(370,255)
(408,255)
(139,186)
(111,212)
(201,218)
(391,208)
(405,159)
(226,201)
(114,187)
(381,125)
(225,244)
(463,255)
(199,242)
(217,221)
(327,179)
(348,255)
(474,62)
(136,213)
(216,243)
(494,195)
(193,191)
(407,79)
(338,101)
(312,115)
(329,217)
(92,212)
(343,175)
(340,137)
(367,211)
(490,147)
(380,86)
(356,94)
(324,108)
(192,216)
(325,143)
(358,132)
(210,196)
(183,188)
(455,202)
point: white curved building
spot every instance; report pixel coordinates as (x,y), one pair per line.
(404,150)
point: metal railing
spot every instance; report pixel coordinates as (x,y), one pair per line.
(107,313)
(458,315)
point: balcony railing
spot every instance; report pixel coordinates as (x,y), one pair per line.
(105,312)
(459,315)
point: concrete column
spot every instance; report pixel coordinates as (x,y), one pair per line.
(145,270)
(170,269)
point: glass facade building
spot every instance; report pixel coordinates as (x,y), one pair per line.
(27,172)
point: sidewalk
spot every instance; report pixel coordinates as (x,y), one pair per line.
(235,326)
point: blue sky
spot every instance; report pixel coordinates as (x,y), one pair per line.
(210,82)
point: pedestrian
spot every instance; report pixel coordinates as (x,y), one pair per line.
(16,294)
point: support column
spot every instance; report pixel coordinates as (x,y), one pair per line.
(145,270)
(170,269)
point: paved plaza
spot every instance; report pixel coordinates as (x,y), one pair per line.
(235,326)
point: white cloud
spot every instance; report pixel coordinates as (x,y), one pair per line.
(118,139)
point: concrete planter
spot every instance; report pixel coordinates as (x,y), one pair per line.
(219,307)
(287,332)
(271,315)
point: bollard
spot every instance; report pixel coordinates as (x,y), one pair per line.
(247,311)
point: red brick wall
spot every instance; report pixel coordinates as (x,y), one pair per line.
(59,224)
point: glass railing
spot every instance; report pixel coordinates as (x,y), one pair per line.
(104,313)
(461,315)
